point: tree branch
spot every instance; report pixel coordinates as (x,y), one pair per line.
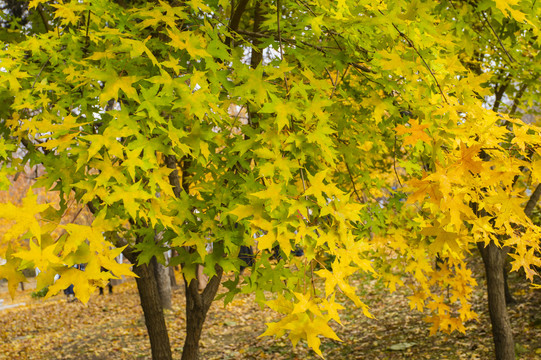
(278,15)
(42,15)
(422,58)
(532,202)
(236,14)
(499,93)
(284,40)
(174,178)
(497,37)
(516,101)
(212,287)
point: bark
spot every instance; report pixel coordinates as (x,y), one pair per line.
(197,306)
(508,297)
(172,278)
(236,14)
(257,54)
(152,308)
(494,260)
(532,202)
(164,283)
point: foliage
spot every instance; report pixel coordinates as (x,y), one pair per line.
(153,115)
(40,293)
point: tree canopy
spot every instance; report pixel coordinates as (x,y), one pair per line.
(376,136)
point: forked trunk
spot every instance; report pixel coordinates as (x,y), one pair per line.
(197,307)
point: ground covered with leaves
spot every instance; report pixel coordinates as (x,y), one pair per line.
(112,327)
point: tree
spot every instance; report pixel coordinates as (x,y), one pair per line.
(350,128)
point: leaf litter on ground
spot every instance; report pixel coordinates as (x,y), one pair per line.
(112,327)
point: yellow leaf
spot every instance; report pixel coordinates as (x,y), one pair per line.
(124,83)
(74,276)
(280,305)
(416,130)
(266,241)
(10,272)
(188,41)
(242,211)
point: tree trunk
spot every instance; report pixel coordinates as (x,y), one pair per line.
(164,283)
(494,260)
(172,277)
(152,307)
(508,296)
(197,306)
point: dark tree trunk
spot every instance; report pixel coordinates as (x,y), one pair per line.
(197,307)
(164,283)
(494,260)
(508,297)
(257,54)
(152,308)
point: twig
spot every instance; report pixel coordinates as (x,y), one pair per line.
(362,68)
(520,92)
(497,37)
(336,81)
(339,80)
(421,56)
(423,59)
(314,14)
(352,180)
(364,75)
(394,163)
(330,76)
(278,14)
(40,71)
(87,39)
(42,15)
(322,49)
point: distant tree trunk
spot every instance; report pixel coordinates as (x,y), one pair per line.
(164,283)
(152,307)
(494,260)
(197,306)
(172,277)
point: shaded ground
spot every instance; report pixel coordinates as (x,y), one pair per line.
(112,327)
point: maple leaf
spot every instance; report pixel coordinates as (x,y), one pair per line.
(416,130)
(76,277)
(505,6)
(272,194)
(318,327)
(40,257)
(186,40)
(469,160)
(422,188)
(521,137)
(417,301)
(10,271)
(116,83)
(283,110)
